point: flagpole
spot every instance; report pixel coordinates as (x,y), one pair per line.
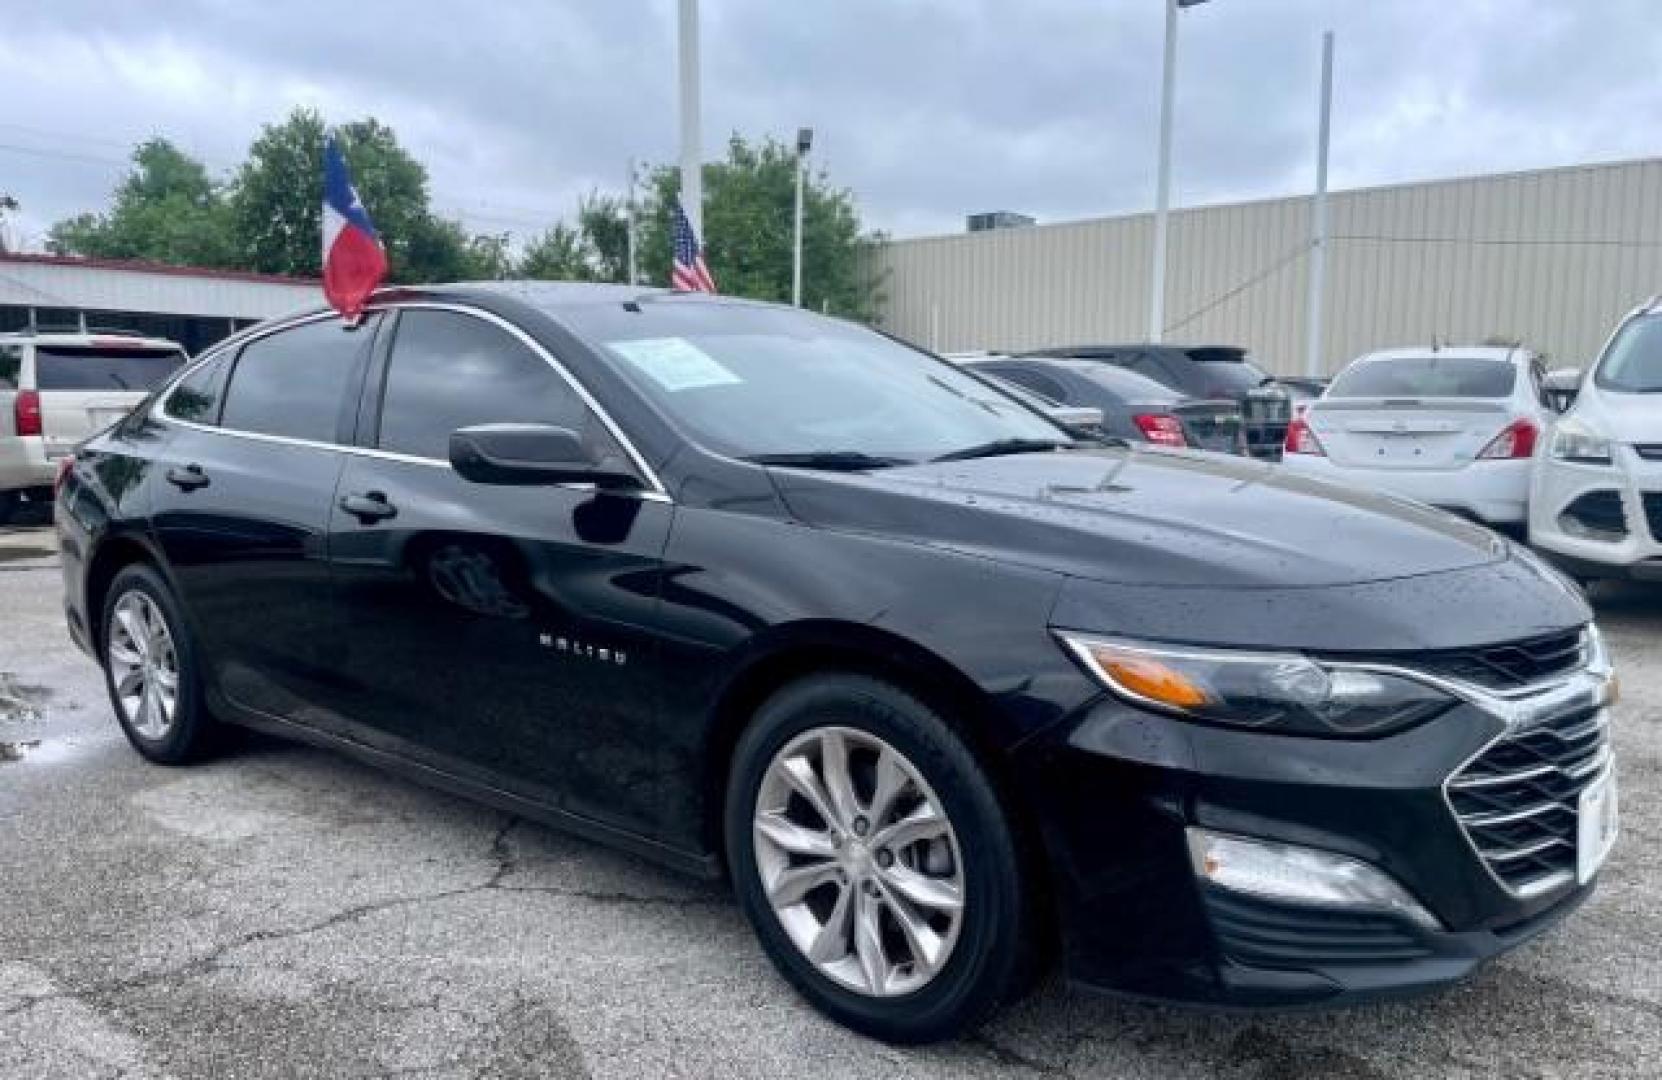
(629,209)
(692,185)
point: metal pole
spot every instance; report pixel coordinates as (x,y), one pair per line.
(692,183)
(1162,187)
(629,209)
(796,247)
(1317,299)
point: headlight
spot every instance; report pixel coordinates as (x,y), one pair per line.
(1283,692)
(1573,441)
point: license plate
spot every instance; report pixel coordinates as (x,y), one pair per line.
(1596,826)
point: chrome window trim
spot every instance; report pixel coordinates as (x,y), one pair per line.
(655,492)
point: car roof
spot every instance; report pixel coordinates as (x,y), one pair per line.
(93,339)
(1084,351)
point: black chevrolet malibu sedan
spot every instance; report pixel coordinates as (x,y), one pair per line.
(943,691)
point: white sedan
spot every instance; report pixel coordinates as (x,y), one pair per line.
(1596,506)
(1453,427)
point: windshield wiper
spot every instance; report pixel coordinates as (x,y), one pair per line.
(837,460)
(1003,446)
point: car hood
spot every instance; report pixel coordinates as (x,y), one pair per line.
(1624,418)
(1146,517)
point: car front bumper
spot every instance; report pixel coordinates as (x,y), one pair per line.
(1117,788)
(1495,492)
(1636,551)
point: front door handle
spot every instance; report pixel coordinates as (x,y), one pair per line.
(188,478)
(369,507)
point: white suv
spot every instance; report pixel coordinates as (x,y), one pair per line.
(58,389)
(1596,495)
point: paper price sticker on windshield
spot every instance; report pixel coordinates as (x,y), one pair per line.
(674,363)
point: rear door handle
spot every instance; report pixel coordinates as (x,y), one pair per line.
(369,507)
(188,478)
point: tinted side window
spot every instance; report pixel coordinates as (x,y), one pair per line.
(298,382)
(198,395)
(450,371)
(11,363)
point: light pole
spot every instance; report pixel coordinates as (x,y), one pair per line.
(1314,304)
(804,142)
(1162,186)
(629,209)
(692,182)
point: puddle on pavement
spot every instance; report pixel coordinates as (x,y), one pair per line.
(16,751)
(18,701)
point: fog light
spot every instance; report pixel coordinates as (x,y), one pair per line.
(1301,875)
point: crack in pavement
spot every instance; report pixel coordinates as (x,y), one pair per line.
(507,863)
(1009,1056)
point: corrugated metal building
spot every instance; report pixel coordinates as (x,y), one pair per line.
(193,307)
(1551,258)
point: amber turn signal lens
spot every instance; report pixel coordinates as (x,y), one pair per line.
(1148,678)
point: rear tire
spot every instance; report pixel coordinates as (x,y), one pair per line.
(901,964)
(151,669)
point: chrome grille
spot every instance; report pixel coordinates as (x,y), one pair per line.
(1507,667)
(1649,451)
(1517,799)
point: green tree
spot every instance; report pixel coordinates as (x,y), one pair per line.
(277,212)
(559,254)
(604,224)
(749,202)
(167,209)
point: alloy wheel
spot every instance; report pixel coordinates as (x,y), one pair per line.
(144,665)
(859,861)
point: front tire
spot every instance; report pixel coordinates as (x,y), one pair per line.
(150,669)
(872,855)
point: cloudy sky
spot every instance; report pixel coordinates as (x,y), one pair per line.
(927,109)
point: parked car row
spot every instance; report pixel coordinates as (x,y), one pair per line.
(1573,462)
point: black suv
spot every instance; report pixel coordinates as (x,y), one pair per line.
(760,593)
(1205,371)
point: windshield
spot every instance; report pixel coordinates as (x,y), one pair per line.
(75,367)
(1426,377)
(1633,363)
(1228,372)
(1128,385)
(754,381)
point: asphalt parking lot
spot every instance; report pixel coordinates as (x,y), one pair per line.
(284,912)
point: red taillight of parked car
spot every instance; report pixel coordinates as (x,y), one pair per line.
(1161,428)
(1301,440)
(65,463)
(1517,441)
(27,412)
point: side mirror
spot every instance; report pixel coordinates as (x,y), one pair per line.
(1560,388)
(530,454)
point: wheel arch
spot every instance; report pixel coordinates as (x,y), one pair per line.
(111,556)
(812,647)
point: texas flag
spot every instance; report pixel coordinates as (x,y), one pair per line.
(353,260)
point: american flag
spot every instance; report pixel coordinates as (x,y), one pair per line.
(689,274)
